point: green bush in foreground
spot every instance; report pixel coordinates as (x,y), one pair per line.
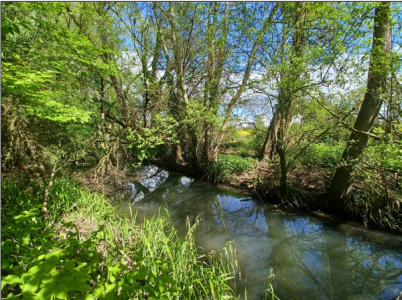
(83,250)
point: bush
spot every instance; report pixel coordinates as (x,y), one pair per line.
(323,155)
(227,166)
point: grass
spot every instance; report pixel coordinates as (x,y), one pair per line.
(83,249)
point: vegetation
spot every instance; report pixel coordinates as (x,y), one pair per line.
(83,249)
(228,166)
(88,86)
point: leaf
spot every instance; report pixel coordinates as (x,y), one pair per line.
(152,278)
(82,287)
(174,289)
(164,268)
(69,265)
(11,279)
(25,239)
(99,291)
(11,296)
(55,256)
(16,28)
(46,291)
(167,279)
(61,292)
(149,289)
(29,296)
(110,291)
(30,282)
(162,287)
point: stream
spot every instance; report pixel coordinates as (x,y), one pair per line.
(308,256)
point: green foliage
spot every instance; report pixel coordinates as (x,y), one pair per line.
(93,253)
(228,166)
(145,143)
(247,141)
(323,155)
(30,88)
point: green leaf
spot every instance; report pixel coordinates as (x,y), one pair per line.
(34,270)
(167,279)
(16,28)
(11,279)
(30,296)
(82,287)
(174,289)
(61,292)
(164,268)
(55,256)
(99,291)
(30,283)
(11,296)
(110,291)
(162,287)
(152,278)
(46,291)
(69,265)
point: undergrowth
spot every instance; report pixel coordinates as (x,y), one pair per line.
(82,249)
(228,166)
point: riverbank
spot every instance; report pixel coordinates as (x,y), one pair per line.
(82,247)
(297,248)
(306,189)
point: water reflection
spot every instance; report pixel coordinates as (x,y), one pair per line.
(152,177)
(310,259)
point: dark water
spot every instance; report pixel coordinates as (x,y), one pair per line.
(307,256)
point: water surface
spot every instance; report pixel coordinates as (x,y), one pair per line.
(308,257)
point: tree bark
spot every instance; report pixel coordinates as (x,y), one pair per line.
(216,55)
(341,184)
(289,82)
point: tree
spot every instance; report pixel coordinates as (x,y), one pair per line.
(289,84)
(341,184)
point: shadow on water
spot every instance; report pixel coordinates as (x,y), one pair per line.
(307,258)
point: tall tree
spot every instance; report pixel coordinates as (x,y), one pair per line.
(289,83)
(268,21)
(341,184)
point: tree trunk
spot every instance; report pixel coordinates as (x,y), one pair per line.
(340,187)
(269,146)
(280,149)
(289,82)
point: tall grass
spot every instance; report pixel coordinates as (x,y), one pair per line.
(82,248)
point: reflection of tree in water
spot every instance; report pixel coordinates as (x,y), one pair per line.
(152,177)
(298,257)
(311,260)
(374,273)
(310,263)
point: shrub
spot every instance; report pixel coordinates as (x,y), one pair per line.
(323,155)
(229,165)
